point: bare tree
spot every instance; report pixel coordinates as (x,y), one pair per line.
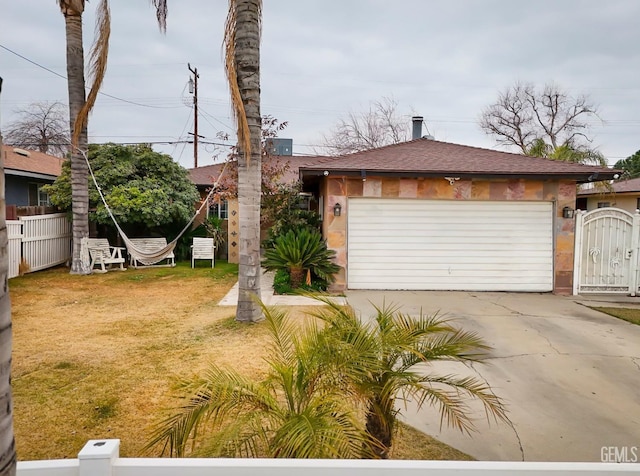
(380,125)
(523,116)
(41,125)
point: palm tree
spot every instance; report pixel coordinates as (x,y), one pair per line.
(297,411)
(7,443)
(79,108)
(389,354)
(242,64)
(566,152)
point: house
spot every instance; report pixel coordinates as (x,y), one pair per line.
(624,194)
(204,177)
(26,171)
(431,215)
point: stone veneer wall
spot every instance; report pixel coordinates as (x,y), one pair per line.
(338,189)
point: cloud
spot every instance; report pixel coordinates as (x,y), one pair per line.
(443,59)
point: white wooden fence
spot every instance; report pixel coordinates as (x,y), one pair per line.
(14,232)
(102,458)
(42,241)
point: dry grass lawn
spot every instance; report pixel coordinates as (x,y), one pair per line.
(631,315)
(95,356)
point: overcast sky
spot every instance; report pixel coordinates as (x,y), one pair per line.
(443,59)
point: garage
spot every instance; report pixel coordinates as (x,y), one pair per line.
(460,245)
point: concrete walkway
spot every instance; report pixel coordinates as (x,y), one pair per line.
(271,299)
(569,375)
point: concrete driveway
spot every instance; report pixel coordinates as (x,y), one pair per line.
(569,375)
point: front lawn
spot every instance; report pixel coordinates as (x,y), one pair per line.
(626,314)
(95,356)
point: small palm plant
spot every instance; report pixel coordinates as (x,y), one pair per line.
(386,352)
(299,251)
(300,410)
(213,226)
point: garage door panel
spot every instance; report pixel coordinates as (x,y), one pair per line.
(518,262)
(453,245)
(465,245)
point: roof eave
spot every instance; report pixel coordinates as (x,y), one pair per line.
(29,174)
(579,177)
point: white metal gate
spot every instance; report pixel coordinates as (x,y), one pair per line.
(606,252)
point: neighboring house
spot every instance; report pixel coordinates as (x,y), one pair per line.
(204,177)
(624,194)
(430,215)
(26,171)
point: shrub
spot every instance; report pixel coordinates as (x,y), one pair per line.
(281,210)
(282,282)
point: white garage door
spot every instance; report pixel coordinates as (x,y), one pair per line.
(450,245)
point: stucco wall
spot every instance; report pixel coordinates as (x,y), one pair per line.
(627,203)
(338,189)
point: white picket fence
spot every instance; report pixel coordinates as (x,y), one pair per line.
(42,241)
(102,458)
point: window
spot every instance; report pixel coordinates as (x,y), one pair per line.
(604,204)
(220,210)
(37,197)
(304,202)
(637,203)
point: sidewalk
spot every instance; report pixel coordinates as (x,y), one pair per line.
(271,299)
(607,300)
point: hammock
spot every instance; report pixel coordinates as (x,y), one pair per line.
(147,257)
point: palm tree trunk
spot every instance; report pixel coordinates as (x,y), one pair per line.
(297,275)
(247,64)
(79,169)
(380,423)
(7,442)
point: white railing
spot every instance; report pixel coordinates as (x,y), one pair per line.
(41,241)
(101,458)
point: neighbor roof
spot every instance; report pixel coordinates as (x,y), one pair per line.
(30,163)
(427,157)
(206,175)
(624,186)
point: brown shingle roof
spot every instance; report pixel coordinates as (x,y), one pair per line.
(31,161)
(430,157)
(624,186)
(205,175)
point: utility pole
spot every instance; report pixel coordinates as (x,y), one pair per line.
(193,88)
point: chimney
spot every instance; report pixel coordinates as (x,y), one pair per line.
(417,127)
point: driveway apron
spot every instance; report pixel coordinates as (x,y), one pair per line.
(570,376)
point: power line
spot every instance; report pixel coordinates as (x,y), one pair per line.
(216,119)
(186,124)
(156,142)
(65,78)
